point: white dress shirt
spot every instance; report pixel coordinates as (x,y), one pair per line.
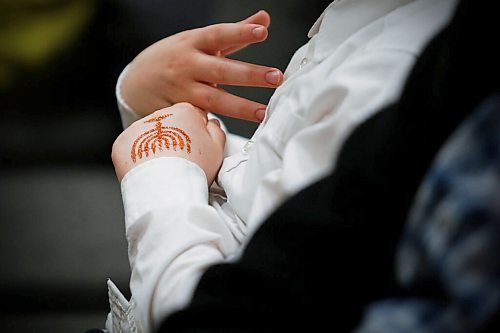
(356,62)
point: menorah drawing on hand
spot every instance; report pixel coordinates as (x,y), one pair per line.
(158,138)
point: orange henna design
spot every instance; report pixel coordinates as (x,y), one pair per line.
(158,138)
(159,118)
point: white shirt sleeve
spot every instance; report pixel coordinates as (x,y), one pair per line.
(173,235)
(172,231)
(127,115)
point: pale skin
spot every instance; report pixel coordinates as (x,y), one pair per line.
(189,66)
(207,140)
(179,75)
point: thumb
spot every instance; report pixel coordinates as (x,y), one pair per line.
(216,132)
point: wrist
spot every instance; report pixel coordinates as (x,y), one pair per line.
(138,92)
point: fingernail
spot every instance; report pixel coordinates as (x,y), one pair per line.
(258,32)
(260,114)
(273,77)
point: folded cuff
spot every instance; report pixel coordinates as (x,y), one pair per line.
(162,182)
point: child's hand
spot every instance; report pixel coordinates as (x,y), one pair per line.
(181,130)
(188,66)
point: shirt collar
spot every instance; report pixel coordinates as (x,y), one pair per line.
(342,18)
(315,27)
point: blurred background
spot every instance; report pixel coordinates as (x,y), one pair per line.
(61,216)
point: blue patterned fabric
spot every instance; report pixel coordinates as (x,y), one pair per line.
(448,262)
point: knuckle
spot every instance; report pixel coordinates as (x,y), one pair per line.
(197,62)
(205,98)
(186,105)
(185,36)
(244,33)
(221,72)
(211,99)
(215,34)
(253,75)
(156,113)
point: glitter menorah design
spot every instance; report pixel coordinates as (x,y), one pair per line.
(158,138)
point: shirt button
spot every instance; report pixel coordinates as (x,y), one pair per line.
(303,63)
(248,147)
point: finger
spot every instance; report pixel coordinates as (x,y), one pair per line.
(226,35)
(239,73)
(216,132)
(221,102)
(262,18)
(233,49)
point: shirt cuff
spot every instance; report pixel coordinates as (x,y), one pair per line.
(127,114)
(162,182)
(121,318)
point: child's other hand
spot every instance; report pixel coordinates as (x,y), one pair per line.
(181,130)
(188,66)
